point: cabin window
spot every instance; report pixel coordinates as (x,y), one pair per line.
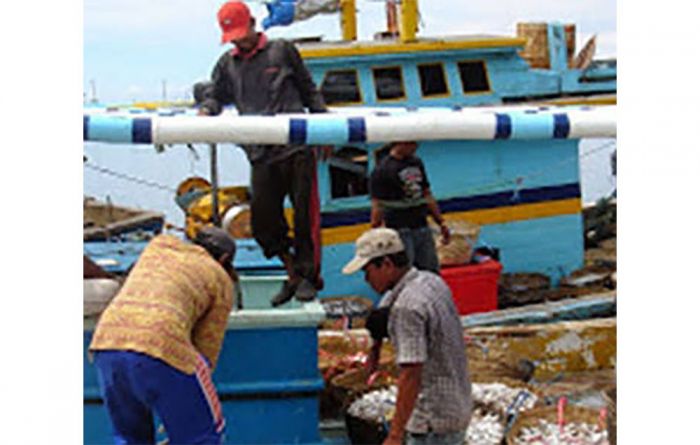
(341,86)
(432,80)
(473,75)
(349,172)
(388,83)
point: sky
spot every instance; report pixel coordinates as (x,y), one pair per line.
(137,50)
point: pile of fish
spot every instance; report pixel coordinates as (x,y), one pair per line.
(499,397)
(492,404)
(375,406)
(547,433)
(485,428)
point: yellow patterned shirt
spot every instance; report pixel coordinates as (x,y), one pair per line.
(174,304)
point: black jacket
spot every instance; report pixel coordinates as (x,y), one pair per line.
(274,80)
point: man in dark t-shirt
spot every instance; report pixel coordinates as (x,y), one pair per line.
(401,200)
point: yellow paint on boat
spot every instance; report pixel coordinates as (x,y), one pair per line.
(608,99)
(346,49)
(348,234)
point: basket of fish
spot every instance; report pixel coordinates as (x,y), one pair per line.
(504,396)
(485,428)
(354,383)
(368,418)
(495,402)
(554,425)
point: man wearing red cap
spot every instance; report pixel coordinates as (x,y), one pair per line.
(267,77)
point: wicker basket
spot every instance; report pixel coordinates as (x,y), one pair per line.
(350,385)
(343,380)
(512,383)
(531,418)
(365,432)
(458,251)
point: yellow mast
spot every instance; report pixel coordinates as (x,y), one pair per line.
(409,20)
(348,21)
(407,27)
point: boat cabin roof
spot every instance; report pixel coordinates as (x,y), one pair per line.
(322,49)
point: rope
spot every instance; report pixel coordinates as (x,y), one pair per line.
(126,177)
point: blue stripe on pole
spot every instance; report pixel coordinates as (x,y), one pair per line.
(562,126)
(110,129)
(357,129)
(297,131)
(531,125)
(141,131)
(504,126)
(327,131)
(86,128)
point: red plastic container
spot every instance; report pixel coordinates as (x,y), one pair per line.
(474,286)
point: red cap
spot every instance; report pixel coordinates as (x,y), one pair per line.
(234,20)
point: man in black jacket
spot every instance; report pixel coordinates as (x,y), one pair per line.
(267,77)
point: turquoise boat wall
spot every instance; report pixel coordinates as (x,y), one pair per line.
(495,181)
(552,246)
(466,168)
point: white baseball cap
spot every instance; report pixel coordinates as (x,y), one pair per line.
(372,244)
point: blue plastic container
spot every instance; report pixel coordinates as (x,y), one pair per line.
(267,379)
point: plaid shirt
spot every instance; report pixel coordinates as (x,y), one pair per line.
(424,328)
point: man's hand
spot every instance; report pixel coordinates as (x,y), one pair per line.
(372,360)
(445,232)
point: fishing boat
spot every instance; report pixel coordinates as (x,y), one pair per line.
(519,180)
(105,221)
(400,68)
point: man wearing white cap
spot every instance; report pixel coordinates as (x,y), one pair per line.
(434,398)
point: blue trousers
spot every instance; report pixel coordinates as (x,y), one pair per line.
(420,248)
(135,386)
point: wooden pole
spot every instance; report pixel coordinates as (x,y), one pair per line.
(392,26)
(215,218)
